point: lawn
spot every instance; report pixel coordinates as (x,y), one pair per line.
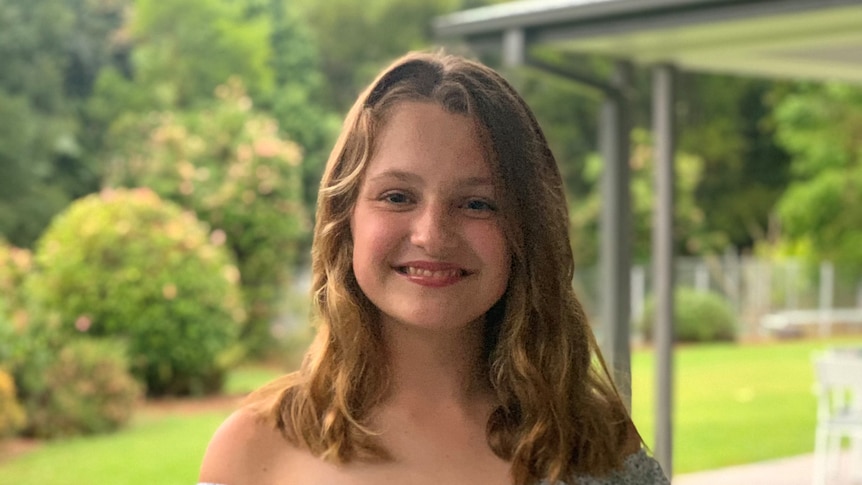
(734,404)
(164,446)
(163,450)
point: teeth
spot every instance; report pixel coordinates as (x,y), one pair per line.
(449,273)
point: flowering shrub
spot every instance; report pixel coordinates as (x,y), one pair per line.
(85,389)
(15,264)
(231,166)
(11,413)
(126,264)
(66,389)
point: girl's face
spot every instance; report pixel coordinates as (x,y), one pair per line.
(428,243)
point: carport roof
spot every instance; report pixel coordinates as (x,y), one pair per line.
(814,39)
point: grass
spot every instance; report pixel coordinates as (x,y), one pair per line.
(166,450)
(159,447)
(734,404)
(247,379)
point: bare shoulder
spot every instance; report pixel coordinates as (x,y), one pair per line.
(242,450)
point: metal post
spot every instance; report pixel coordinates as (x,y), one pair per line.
(663,128)
(616,229)
(827,286)
(638,296)
(514,49)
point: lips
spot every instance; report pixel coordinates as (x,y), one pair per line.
(435,274)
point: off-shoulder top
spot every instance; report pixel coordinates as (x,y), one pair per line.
(638,469)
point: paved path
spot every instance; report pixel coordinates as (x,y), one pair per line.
(795,470)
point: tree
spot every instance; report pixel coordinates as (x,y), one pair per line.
(356,39)
(183,50)
(725,120)
(298,100)
(178,52)
(690,235)
(32,35)
(821,127)
(51,50)
(232,167)
(208,82)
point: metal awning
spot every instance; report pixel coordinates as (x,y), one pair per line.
(794,39)
(809,39)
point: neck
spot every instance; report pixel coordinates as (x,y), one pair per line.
(434,367)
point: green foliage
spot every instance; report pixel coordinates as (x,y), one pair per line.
(51,50)
(12,417)
(820,127)
(567,112)
(85,389)
(699,316)
(726,128)
(32,44)
(15,263)
(29,147)
(357,39)
(690,234)
(296,102)
(230,165)
(725,121)
(183,50)
(126,264)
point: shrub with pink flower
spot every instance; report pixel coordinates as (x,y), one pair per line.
(233,167)
(126,264)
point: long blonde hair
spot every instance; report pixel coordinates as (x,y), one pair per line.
(558,413)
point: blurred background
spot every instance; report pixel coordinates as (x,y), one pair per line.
(159,164)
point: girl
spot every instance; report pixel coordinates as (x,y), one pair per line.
(451,348)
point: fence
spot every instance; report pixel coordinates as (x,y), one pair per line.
(767,296)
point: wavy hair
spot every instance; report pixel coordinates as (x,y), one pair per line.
(558,413)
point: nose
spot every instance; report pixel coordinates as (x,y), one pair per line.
(434,229)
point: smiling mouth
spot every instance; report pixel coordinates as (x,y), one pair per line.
(433,278)
(432,274)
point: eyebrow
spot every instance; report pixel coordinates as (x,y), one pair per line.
(405,176)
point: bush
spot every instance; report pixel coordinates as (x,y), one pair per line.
(11,414)
(233,168)
(127,264)
(699,316)
(15,265)
(85,389)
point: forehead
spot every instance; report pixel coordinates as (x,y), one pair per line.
(423,136)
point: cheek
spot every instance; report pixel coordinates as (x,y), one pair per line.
(372,238)
(494,248)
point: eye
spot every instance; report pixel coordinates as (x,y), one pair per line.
(480,206)
(396,197)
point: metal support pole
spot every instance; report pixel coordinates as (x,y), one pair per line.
(514,48)
(663,128)
(616,230)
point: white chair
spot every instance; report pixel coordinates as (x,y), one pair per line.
(839,415)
